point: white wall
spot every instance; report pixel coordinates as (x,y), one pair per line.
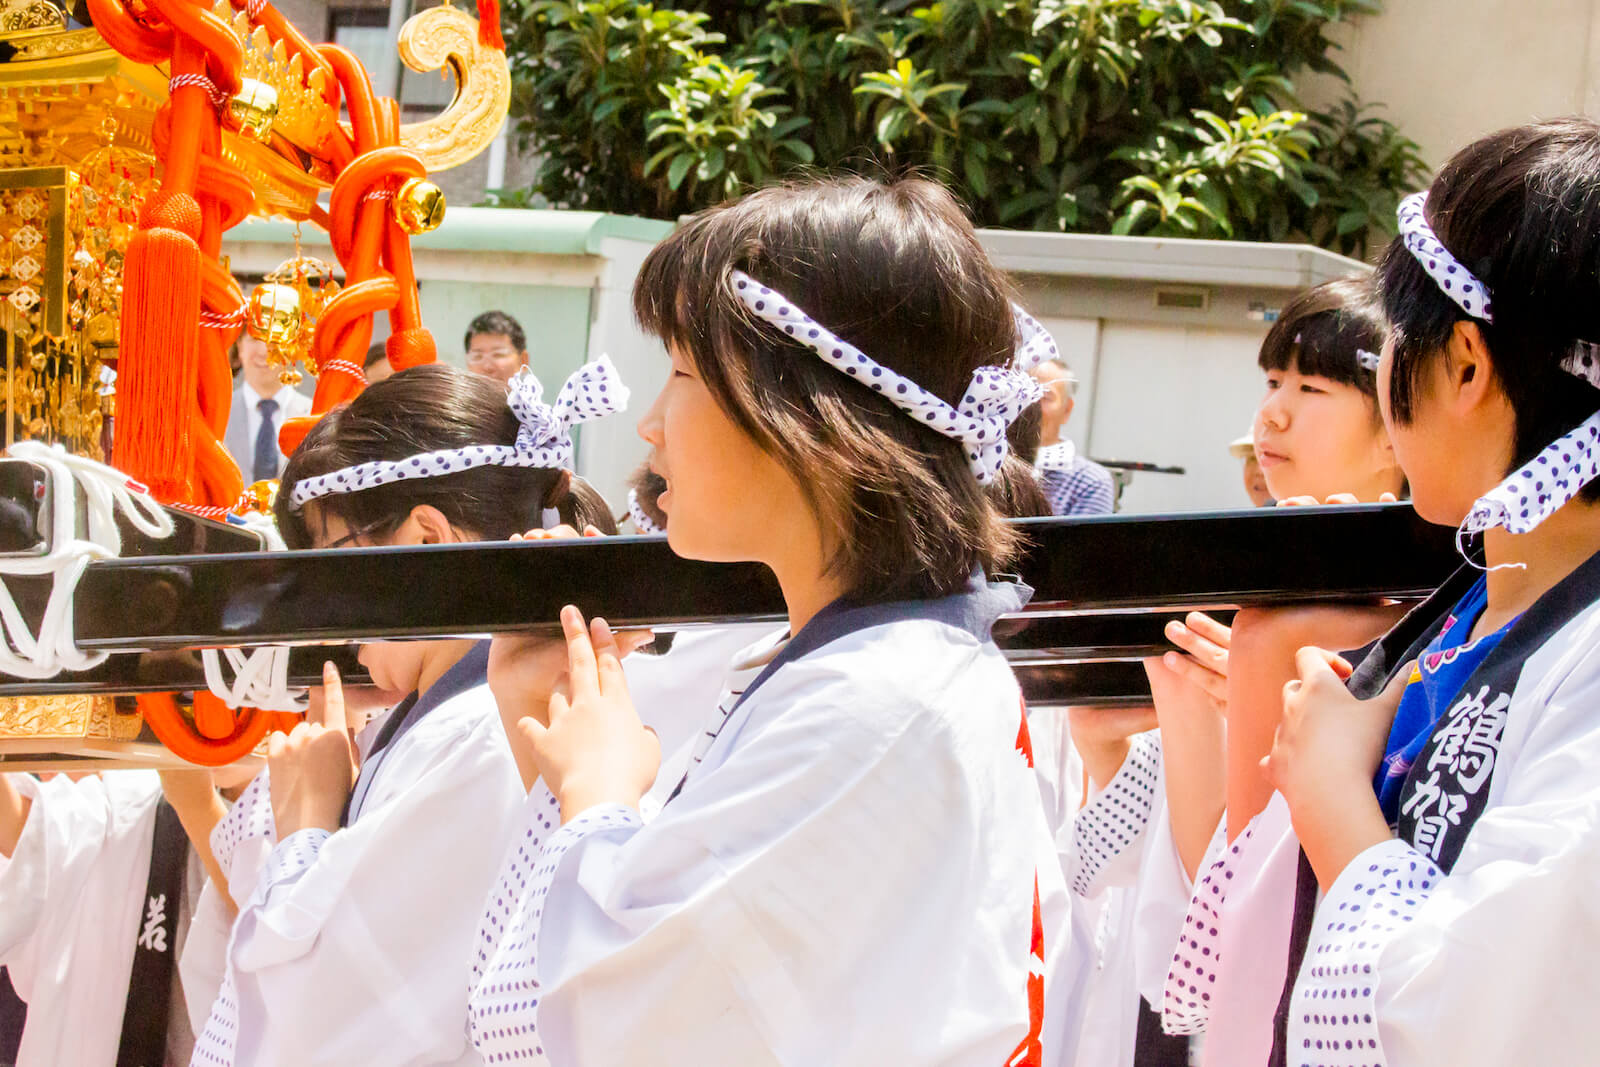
(1176,396)
(1451,71)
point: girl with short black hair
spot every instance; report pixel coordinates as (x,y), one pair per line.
(855,868)
(361,868)
(1443,796)
(1318,434)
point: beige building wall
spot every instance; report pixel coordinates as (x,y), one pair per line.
(1450,71)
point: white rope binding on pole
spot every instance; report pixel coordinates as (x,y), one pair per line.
(106,491)
(260,678)
(260,675)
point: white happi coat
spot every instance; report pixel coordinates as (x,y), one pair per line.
(1408,965)
(1119,858)
(71,903)
(1492,963)
(353,947)
(857,871)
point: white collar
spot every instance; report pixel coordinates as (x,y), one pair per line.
(1056,457)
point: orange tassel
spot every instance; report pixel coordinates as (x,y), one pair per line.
(294,431)
(159,360)
(410,348)
(489,25)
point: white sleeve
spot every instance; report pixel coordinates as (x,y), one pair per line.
(707,936)
(66,829)
(1161,901)
(353,947)
(1108,833)
(1507,940)
(204,955)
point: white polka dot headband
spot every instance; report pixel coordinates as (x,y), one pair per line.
(1460,285)
(642,522)
(1447,272)
(1546,483)
(544,439)
(993,400)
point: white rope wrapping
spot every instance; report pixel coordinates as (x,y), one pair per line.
(106,491)
(344,366)
(260,678)
(260,675)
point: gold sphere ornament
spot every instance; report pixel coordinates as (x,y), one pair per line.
(419,206)
(291,378)
(254,107)
(273,315)
(258,497)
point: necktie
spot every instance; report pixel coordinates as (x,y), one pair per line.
(266,460)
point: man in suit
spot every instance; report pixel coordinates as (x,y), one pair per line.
(261,403)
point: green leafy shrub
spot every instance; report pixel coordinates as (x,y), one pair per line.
(1158,117)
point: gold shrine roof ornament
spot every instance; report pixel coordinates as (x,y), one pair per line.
(127,148)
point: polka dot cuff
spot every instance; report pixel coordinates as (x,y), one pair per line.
(1333,1017)
(1110,823)
(293,857)
(1192,978)
(502,1011)
(249,818)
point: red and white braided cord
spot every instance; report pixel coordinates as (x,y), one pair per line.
(344,366)
(218,97)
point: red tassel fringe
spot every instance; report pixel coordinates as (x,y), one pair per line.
(489,24)
(158,364)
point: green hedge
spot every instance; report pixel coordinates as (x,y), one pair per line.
(1157,117)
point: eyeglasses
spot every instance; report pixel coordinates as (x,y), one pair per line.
(490,357)
(356,535)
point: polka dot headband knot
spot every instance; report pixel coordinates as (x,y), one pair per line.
(1447,272)
(994,397)
(1037,345)
(1547,482)
(544,437)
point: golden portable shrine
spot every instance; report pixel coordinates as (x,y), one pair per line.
(133,134)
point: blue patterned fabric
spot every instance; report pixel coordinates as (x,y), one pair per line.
(1442,671)
(1081,488)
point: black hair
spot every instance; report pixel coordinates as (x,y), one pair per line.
(1320,331)
(427,409)
(497,322)
(1520,209)
(647,487)
(375,353)
(896,269)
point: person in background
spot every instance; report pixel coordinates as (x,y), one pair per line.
(495,345)
(376,366)
(1318,433)
(1073,484)
(261,403)
(1255,483)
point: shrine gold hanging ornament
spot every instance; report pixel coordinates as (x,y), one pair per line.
(166,124)
(284,310)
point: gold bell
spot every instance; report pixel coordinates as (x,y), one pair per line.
(274,313)
(254,107)
(419,206)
